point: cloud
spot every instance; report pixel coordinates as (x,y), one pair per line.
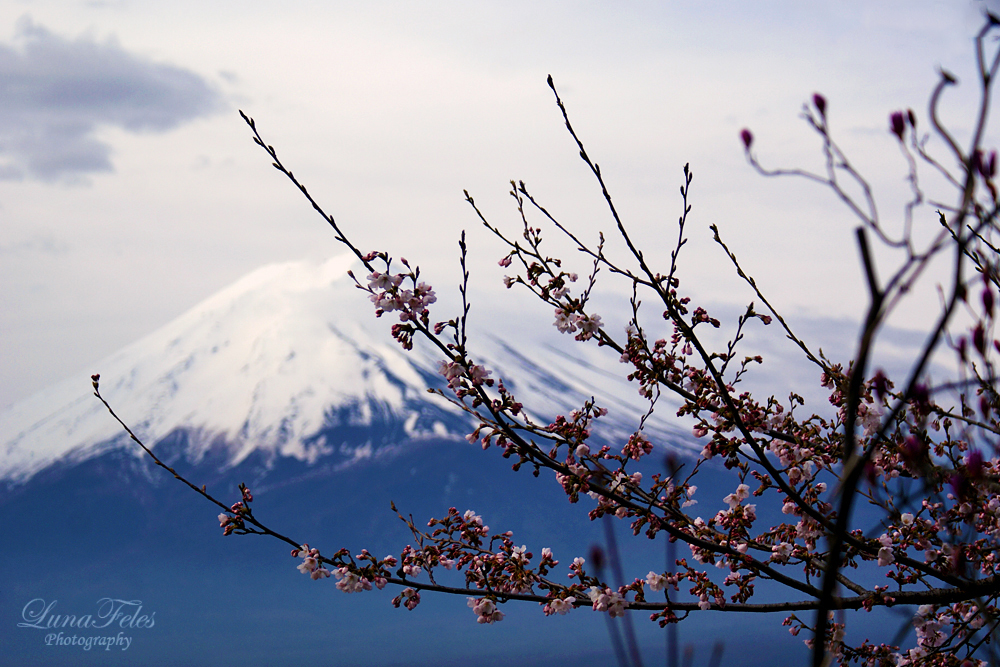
(55,93)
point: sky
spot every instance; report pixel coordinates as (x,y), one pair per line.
(130,188)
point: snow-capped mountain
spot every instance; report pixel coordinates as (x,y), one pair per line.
(289,362)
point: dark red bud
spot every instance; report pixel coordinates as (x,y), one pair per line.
(979,338)
(747,138)
(896,124)
(820,103)
(992,169)
(988,301)
(912,117)
(961,347)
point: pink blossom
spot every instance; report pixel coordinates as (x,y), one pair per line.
(383,281)
(589,326)
(452,371)
(410,598)
(485,610)
(350,582)
(422,297)
(565,322)
(741,494)
(656,582)
(308,565)
(478,374)
(558,606)
(780,553)
(607,600)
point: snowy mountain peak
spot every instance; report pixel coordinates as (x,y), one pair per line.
(262,363)
(278,361)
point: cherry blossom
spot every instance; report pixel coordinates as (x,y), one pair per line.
(486,610)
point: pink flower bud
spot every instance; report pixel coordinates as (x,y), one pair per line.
(747,138)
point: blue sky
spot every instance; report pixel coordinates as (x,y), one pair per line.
(130,189)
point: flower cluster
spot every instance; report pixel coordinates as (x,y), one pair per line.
(486,610)
(604,599)
(409,598)
(388,296)
(570,322)
(234,522)
(312,562)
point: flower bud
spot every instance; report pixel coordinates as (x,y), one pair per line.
(747,138)
(979,338)
(897,124)
(820,103)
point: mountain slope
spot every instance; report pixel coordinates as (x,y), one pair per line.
(288,361)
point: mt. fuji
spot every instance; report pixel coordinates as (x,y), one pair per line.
(288,361)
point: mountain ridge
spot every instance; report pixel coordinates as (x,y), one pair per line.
(282,361)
